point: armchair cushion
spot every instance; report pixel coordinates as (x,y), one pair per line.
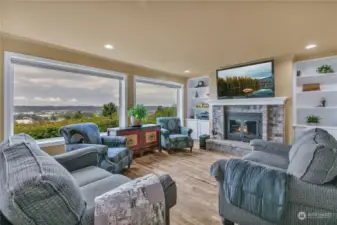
(186,131)
(314,158)
(113,141)
(270,147)
(274,160)
(180,141)
(81,133)
(172,124)
(89,175)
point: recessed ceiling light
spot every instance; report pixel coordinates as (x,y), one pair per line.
(310,46)
(107,46)
(187,71)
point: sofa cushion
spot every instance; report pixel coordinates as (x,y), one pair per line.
(315,158)
(90,191)
(41,190)
(275,160)
(89,174)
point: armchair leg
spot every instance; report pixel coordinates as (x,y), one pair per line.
(191,149)
(227,222)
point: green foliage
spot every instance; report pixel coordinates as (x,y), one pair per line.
(234,86)
(78,115)
(139,112)
(325,69)
(313,119)
(109,109)
(45,129)
(49,129)
(161,112)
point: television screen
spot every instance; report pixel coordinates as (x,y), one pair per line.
(246,81)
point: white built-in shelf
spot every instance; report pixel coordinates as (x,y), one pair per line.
(316,126)
(198,88)
(328,78)
(305,103)
(315,92)
(317,107)
(200,98)
(192,101)
(200,108)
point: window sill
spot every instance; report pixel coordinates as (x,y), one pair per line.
(55,141)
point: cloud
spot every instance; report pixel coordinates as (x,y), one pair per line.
(20,98)
(73,100)
(57,99)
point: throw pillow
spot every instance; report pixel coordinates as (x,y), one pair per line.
(314,158)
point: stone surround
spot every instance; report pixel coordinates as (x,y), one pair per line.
(272,117)
(236,148)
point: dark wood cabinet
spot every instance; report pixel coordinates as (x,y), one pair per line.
(139,139)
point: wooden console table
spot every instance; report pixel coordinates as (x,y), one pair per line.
(139,139)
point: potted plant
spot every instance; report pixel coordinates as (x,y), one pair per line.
(325,69)
(313,120)
(137,114)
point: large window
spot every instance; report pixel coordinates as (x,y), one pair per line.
(162,99)
(45,99)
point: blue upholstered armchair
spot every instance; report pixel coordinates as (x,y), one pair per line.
(173,135)
(83,135)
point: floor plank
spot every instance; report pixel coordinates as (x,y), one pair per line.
(197,202)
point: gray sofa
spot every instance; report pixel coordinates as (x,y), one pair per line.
(303,190)
(36,188)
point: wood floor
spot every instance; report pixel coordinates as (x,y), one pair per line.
(197,190)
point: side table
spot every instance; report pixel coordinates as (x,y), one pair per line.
(139,139)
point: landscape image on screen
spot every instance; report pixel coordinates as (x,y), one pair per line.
(249,81)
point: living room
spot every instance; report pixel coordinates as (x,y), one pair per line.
(74,62)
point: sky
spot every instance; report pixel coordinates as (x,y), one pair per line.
(40,87)
(247,71)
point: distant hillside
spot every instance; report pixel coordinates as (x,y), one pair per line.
(38,109)
(20,109)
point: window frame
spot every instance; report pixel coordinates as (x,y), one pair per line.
(169,84)
(12,59)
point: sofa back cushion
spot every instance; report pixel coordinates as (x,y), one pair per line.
(314,157)
(172,124)
(34,188)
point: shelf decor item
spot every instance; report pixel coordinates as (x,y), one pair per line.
(200,84)
(311,87)
(313,120)
(325,69)
(298,73)
(323,102)
(137,114)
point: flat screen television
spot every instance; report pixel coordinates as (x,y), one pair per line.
(246,81)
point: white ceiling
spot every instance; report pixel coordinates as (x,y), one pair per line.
(177,36)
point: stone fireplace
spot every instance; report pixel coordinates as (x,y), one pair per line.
(247,119)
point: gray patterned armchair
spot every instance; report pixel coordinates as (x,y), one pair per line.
(173,135)
(83,135)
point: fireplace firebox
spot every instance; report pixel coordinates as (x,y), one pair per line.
(243,126)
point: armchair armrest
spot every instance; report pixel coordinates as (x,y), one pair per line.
(113,141)
(88,155)
(270,147)
(186,131)
(164,132)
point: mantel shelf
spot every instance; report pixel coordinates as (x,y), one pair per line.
(249,101)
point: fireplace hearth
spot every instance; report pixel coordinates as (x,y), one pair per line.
(243,126)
